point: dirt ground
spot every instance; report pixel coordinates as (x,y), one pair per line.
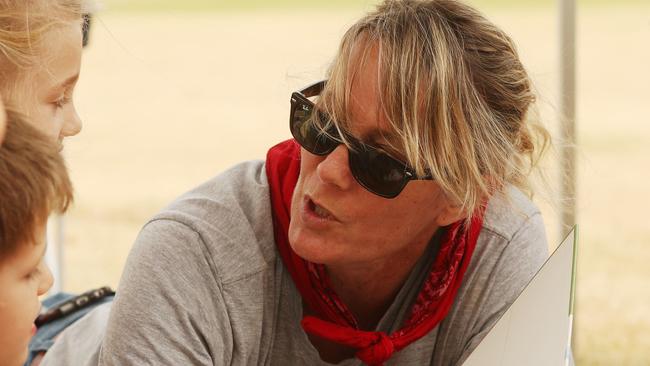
(169,101)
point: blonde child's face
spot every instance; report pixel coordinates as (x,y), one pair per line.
(23,278)
(47,92)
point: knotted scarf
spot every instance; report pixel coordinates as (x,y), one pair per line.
(334,321)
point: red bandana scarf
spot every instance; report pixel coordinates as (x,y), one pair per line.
(335,322)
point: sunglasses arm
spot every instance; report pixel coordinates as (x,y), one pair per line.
(313,89)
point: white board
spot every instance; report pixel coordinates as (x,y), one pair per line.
(536,328)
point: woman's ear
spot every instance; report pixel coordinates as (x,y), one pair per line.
(450,214)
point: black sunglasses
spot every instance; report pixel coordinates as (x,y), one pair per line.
(375,170)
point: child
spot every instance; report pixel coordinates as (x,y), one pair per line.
(33,183)
(40,60)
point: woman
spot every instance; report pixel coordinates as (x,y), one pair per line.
(393,229)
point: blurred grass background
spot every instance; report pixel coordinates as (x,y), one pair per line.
(174,92)
(157,6)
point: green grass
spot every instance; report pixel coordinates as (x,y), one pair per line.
(163,6)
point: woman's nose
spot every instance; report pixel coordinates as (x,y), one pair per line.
(335,169)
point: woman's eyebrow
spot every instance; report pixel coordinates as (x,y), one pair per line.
(381,137)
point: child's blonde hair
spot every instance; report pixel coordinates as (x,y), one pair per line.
(24,25)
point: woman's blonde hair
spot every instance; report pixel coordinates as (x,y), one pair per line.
(453,90)
(23,27)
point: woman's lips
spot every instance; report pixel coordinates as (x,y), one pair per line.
(315,214)
(320,211)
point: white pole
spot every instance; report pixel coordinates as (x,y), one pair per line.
(567,65)
(54,253)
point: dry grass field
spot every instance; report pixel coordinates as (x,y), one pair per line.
(171,100)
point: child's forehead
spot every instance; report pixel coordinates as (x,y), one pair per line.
(28,253)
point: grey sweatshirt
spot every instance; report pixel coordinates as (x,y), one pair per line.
(204,285)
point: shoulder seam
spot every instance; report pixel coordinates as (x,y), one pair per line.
(504,236)
(201,242)
(242,278)
(213,268)
(530,217)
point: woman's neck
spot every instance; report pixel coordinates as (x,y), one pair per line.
(368,290)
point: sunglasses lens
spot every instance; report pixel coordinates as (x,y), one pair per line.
(309,136)
(377,172)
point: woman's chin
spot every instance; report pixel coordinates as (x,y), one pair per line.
(311,248)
